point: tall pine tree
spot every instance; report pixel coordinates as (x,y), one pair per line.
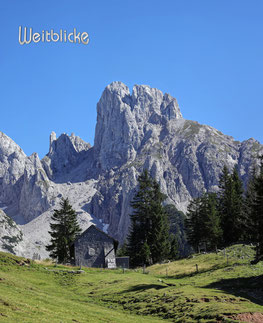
(138,247)
(148,238)
(63,233)
(249,220)
(180,247)
(203,222)
(211,221)
(257,212)
(193,223)
(159,233)
(230,206)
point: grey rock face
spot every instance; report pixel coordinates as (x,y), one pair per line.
(34,195)
(12,164)
(125,122)
(65,153)
(10,234)
(142,129)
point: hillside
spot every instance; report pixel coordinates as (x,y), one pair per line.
(226,289)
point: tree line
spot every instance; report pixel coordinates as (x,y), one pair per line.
(159,232)
(229,216)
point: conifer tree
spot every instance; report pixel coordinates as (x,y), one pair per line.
(123,250)
(178,240)
(211,221)
(148,237)
(193,223)
(249,221)
(174,247)
(159,233)
(224,193)
(145,254)
(230,206)
(63,232)
(257,212)
(140,221)
(203,222)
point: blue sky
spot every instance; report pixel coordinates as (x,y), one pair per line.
(206,53)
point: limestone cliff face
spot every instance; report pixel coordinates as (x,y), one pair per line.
(12,164)
(125,121)
(10,234)
(142,129)
(65,153)
(146,129)
(23,182)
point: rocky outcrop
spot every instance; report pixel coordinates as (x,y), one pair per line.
(12,165)
(125,122)
(10,234)
(65,153)
(23,182)
(142,129)
(36,189)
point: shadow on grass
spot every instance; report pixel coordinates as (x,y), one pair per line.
(142,288)
(200,271)
(250,288)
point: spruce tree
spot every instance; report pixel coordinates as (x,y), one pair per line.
(193,223)
(238,205)
(123,250)
(148,237)
(249,221)
(224,193)
(179,245)
(230,206)
(159,233)
(257,212)
(140,221)
(63,233)
(174,247)
(203,222)
(210,221)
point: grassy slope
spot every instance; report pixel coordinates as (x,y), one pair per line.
(174,291)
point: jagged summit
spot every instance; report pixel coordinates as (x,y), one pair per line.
(124,121)
(116,87)
(143,96)
(142,129)
(64,154)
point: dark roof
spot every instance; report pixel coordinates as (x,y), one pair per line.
(116,242)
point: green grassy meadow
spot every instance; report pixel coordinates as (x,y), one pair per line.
(225,286)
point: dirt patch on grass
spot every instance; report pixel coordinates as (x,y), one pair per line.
(249,317)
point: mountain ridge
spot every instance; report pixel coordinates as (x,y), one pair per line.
(142,129)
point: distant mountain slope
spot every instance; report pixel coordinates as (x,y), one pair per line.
(142,129)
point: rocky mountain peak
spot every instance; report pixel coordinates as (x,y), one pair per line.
(64,153)
(118,88)
(9,147)
(124,121)
(52,138)
(135,130)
